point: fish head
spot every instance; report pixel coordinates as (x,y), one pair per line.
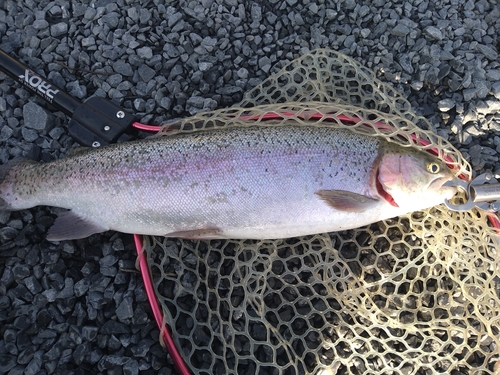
(413,179)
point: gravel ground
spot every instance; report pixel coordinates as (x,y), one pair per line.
(79,306)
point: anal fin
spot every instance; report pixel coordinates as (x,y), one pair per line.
(346,201)
(210,233)
(70,226)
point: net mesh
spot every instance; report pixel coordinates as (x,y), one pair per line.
(417,294)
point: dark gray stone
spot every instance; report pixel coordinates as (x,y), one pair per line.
(96,299)
(495,89)
(111,19)
(229,90)
(95,355)
(433,32)
(29,135)
(172,19)
(35,365)
(400,30)
(194,104)
(81,287)
(133,14)
(20,291)
(489,52)
(53,353)
(140,317)
(90,13)
(40,24)
(68,289)
(146,73)
(469,94)
(110,361)
(89,333)
(114,327)
(205,66)
(166,103)
(493,75)
(124,310)
(4,302)
(32,284)
(114,79)
(144,15)
(171,50)
(446,104)
(20,271)
(26,355)
(256,15)
(139,105)
(482,88)
(145,53)
(22,322)
(80,352)
(76,90)
(123,68)
(7,362)
(444,70)
(131,367)
(58,29)
(142,347)
(108,260)
(35,117)
(209,104)
(114,343)
(5,133)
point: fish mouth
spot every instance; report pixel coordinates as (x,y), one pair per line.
(383,193)
(438,185)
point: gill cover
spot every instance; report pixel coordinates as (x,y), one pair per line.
(410,176)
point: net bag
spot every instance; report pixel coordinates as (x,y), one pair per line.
(417,294)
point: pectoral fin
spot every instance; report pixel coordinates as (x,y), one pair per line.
(70,226)
(346,201)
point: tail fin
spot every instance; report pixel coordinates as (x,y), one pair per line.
(8,177)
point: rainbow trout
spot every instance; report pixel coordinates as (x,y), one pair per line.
(241,183)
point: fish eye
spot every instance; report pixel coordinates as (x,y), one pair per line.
(433,167)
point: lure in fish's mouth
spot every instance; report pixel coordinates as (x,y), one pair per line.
(384,194)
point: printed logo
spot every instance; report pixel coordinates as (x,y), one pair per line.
(38,84)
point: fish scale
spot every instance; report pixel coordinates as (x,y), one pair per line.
(246,182)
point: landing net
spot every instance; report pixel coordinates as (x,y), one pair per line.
(418,294)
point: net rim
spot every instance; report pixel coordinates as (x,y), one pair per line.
(244,114)
(165,335)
